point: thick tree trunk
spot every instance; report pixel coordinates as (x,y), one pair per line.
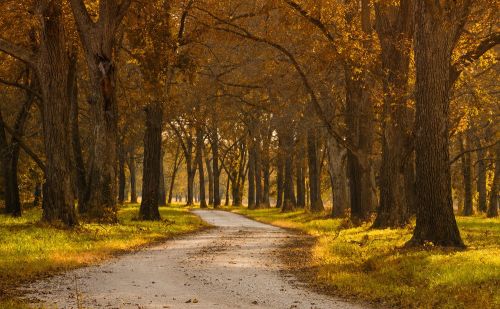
(434,41)
(467,175)
(314,172)
(133,178)
(359,116)
(394,26)
(149,209)
(199,161)
(337,157)
(98,40)
(53,64)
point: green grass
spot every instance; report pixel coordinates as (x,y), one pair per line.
(371,265)
(30,250)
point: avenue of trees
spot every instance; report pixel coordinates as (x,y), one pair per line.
(373,110)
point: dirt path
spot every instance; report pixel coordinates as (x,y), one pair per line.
(230,266)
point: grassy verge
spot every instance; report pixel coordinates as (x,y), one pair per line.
(30,250)
(371,265)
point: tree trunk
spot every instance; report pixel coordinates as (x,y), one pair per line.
(227,192)
(175,168)
(121,175)
(53,65)
(79,165)
(210,180)
(467,175)
(314,172)
(338,173)
(481,178)
(98,40)
(190,178)
(215,162)
(495,187)
(434,41)
(258,173)
(162,196)
(300,174)
(280,179)
(266,169)
(394,26)
(149,209)
(12,151)
(360,136)
(251,178)
(289,201)
(199,161)
(133,178)
(5,187)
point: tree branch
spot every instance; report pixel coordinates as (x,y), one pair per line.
(467,59)
(17,52)
(25,147)
(82,16)
(457,157)
(20,86)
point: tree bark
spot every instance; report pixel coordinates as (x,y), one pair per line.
(394,26)
(210,179)
(300,173)
(98,40)
(495,187)
(175,168)
(251,178)
(133,177)
(279,175)
(482,204)
(434,42)
(337,157)
(289,201)
(79,165)
(53,65)
(199,161)
(162,196)
(314,172)
(149,209)
(121,173)
(467,175)
(215,161)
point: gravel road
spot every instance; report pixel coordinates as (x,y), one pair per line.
(233,265)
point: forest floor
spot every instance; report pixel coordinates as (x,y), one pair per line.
(30,250)
(233,265)
(372,265)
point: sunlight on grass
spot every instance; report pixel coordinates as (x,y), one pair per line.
(372,265)
(30,249)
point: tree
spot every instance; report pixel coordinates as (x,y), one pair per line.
(98,39)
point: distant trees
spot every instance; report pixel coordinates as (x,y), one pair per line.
(292,104)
